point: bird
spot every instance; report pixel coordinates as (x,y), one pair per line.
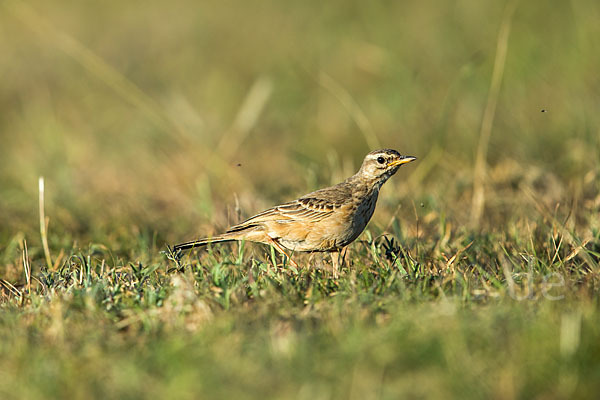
(326,220)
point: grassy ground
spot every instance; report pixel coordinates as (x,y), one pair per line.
(154,123)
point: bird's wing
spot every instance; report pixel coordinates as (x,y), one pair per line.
(298,210)
(312,207)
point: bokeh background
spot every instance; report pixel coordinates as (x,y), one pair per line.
(155,122)
(177,118)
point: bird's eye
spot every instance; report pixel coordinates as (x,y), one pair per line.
(380,160)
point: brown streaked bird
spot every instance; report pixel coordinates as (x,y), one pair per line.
(326,220)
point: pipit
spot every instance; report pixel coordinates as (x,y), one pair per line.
(326,220)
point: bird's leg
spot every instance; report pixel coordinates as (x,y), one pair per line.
(335,262)
(343,254)
(282,251)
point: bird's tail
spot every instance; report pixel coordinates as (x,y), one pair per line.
(203,242)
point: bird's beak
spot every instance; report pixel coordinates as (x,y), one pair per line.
(402,160)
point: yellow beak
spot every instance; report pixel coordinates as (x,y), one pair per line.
(403,160)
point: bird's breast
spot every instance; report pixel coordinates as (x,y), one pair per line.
(357,217)
(364,209)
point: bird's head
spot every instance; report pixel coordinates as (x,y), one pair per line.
(379,165)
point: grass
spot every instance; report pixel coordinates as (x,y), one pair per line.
(478,277)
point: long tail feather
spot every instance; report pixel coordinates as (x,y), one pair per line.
(202,242)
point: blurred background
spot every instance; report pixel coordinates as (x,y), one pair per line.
(174,119)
